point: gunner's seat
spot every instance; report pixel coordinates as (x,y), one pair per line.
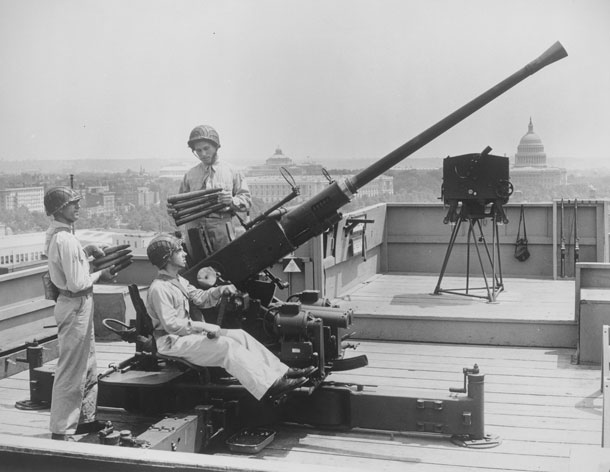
(146,347)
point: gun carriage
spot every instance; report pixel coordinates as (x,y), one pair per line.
(302,331)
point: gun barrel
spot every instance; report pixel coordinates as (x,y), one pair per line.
(553,54)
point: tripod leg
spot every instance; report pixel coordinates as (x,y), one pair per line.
(468,238)
(495,248)
(476,246)
(497,243)
(452,239)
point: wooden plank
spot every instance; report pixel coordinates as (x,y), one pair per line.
(491,367)
(537,402)
(354,451)
(75,456)
(412,295)
(470,350)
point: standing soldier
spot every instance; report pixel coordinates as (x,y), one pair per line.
(74,400)
(218,229)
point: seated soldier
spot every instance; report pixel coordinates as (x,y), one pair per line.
(177,335)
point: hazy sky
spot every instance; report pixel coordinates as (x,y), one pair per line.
(341,79)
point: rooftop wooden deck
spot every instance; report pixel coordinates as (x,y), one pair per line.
(541,405)
(536,400)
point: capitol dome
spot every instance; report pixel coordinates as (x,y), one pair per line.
(279,159)
(530,152)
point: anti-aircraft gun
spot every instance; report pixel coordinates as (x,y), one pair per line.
(280,232)
(306,327)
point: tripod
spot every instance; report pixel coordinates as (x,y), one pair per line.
(473,215)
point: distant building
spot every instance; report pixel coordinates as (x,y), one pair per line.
(267,184)
(98,189)
(20,249)
(271,189)
(99,203)
(30,197)
(138,240)
(174,172)
(143,196)
(530,168)
(278,160)
(23,250)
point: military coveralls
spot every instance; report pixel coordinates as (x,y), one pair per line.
(74,397)
(177,335)
(222,227)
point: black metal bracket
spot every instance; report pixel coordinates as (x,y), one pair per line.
(278,282)
(351,223)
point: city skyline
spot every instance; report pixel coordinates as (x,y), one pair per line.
(349,79)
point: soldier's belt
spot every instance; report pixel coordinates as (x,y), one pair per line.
(81,293)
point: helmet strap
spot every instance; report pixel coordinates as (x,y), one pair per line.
(214,159)
(59,216)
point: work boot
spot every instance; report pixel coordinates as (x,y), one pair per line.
(283,385)
(62,437)
(295,372)
(92,427)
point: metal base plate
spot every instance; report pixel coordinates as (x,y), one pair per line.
(250,440)
(30,405)
(489,441)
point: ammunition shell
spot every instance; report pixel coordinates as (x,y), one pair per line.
(113,249)
(186,196)
(118,267)
(192,202)
(195,216)
(110,257)
(115,261)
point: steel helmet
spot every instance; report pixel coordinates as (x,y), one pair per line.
(203,133)
(58,197)
(161,248)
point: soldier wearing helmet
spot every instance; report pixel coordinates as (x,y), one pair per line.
(74,398)
(217,229)
(205,344)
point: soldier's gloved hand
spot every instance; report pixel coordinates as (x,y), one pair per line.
(95,250)
(225,197)
(211,330)
(107,274)
(228,289)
